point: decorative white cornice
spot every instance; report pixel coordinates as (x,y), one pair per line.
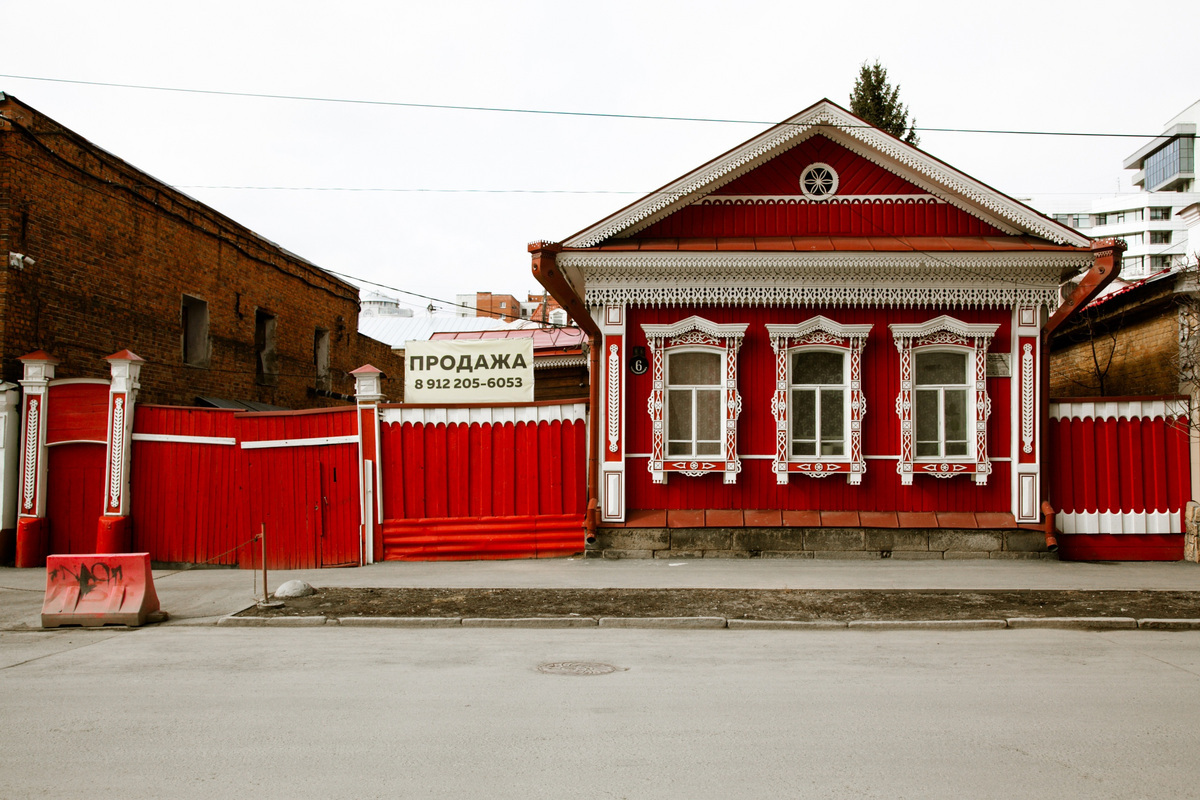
(549,362)
(834,279)
(839,125)
(818,323)
(940,324)
(1171,409)
(694,323)
(799,199)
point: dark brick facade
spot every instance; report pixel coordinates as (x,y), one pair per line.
(117,255)
(1127,345)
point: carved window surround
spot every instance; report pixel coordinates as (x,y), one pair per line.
(823,334)
(694,333)
(944,333)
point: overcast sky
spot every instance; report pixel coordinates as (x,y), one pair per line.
(1041,66)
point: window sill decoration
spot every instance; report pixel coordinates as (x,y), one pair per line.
(949,333)
(698,333)
(826,334)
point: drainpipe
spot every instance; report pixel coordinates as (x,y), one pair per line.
(545,269)
(1105,268)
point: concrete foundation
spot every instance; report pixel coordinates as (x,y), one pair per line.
(841,543)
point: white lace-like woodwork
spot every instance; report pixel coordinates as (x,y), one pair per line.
(1027,392)
(948,332)
(614,398)
(31,454)
(694,332)
(117,461)
(824,333)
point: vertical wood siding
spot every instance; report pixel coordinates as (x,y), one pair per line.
(456,491)
(756,487)
(1121,477)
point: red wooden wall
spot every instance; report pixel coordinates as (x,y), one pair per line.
(756,487)
(782,209)
(471,490)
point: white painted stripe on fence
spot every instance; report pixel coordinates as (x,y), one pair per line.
(494,415)
(317,442)
(1131,409)
(180,439)
(1117,522)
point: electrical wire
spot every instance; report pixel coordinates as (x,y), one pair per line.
(537,111)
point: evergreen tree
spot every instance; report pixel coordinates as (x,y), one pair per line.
(876,101)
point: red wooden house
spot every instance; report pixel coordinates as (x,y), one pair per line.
(821,328)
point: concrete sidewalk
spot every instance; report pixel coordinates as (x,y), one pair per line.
(202,596)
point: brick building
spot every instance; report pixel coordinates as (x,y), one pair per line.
(1130,342)
(100,257)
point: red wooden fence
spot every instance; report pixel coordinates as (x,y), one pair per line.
(1121,476)
(483,482)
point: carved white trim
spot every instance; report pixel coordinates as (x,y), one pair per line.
(693,331)
(823,278)
(613,392)
(819,181)
(32,433)
(801,200)
(1170,409)
(950,332)
(117,460)
(844,128)
(1027,398)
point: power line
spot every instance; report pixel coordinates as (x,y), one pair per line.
(538,111)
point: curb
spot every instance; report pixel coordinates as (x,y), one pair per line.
(714,623)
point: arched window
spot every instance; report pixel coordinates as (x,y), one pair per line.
(818,403)
(943,402)
(694,402)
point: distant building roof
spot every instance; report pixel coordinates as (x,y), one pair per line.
(546,341)
(395,332)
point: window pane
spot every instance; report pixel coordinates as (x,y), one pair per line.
(708,448)
(679,415)
(940,367)
(804,414)
(708,415)
(702,369)
(955,422)
(925,414)
(832,416)
(817,367)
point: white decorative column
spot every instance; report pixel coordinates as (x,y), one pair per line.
(368,392)
(32,535)
(1026,370)
(113,534)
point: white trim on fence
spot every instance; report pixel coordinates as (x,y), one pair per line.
(491,415)
(317,442)
(78,441)
(180,439)
(1128,409)
(1117,522)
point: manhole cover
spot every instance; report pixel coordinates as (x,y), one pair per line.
(576,668)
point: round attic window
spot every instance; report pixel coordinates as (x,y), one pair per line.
(818,182)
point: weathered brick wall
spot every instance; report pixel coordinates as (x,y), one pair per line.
(488,305)
(1142,337)
(115,253)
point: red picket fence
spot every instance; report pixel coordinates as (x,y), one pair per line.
(1120,476)
(483,482)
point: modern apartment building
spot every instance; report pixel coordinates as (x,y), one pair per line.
(1148,219)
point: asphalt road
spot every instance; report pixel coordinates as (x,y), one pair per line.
(339,712)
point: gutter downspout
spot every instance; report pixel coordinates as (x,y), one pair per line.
(1105,268)
(545,269)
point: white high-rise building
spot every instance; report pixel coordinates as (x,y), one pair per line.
(1148,219)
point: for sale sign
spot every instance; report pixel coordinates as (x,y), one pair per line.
(477,371)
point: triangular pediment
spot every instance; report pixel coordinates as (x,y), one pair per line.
(824,172)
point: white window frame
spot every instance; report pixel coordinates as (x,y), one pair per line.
(696,334)
(819,334)
(968,389)
(947,334)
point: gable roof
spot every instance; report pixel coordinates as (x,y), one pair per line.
(917,169)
